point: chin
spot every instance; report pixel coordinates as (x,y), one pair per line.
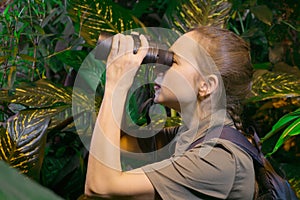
(156,99)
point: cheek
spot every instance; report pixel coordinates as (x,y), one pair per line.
(179,86)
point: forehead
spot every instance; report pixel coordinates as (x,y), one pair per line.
(186,47)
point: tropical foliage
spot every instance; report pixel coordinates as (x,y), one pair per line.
(43,45)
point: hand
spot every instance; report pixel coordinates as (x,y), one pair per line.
(122,63)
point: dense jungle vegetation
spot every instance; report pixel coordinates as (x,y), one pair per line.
(43,45)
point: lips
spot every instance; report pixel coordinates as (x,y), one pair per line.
(156,86)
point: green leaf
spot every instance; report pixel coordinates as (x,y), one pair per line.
(263,13)
(291,130)
(50,17)
(23,142)
(72,58)
(183,15)
(141,7)
(15,108)
(5,12)
(39,29)
(2,59)
(282,122)
(57,115)
(38,95)
(271,85)
(64,157)
(28,58)
(20,28)
(242,5)
(96,16)
(17,186)
(91,71)
(11,76)
(57,102)
(173,121)
(296,28)
(266,65)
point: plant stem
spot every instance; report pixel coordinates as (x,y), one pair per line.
(241,22)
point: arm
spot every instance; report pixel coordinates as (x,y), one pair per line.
(104,175)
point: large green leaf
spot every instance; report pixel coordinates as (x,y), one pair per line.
(183,15)
(45,94)
(282,122)
(91,72)
(22,144)
(291,130)
(57,115)
(14,185)
(37,95)
(271,85)
(94,16)
(52,100)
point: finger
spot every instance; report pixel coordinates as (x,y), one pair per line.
(130,43)
(126,44)
(144,47)
(122,44)
(114,46)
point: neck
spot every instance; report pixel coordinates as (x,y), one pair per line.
(202,115)
(195,112)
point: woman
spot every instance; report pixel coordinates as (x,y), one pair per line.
(208,63)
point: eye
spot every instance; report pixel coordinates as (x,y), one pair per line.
(175,61)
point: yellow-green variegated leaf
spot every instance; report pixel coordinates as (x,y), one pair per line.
(39,94)
(271,85)
(22,144)
(57,114)
(93,16)
(183,15)
(43,93)
(52,100)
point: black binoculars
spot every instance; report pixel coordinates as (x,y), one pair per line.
(155,54)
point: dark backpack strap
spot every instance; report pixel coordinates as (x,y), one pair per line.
(233,136)
(270,184)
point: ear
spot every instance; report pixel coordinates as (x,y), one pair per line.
(209,86)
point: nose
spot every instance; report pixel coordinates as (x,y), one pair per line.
(159,78)
(160,74)
(160,69)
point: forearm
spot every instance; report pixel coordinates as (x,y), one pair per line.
(104,175)
(104,163)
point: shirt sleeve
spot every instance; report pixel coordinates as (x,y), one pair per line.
(195,175)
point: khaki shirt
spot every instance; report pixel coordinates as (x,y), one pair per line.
(216,168)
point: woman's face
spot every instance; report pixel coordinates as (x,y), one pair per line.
(178,86)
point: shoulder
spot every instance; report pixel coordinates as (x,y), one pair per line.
(224,151)
(208,169)
(224,146)
(244,175)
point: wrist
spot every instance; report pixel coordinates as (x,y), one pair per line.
(116,89)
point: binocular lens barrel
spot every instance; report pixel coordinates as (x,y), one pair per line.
(155,54)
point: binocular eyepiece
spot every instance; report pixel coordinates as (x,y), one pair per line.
(155,54)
